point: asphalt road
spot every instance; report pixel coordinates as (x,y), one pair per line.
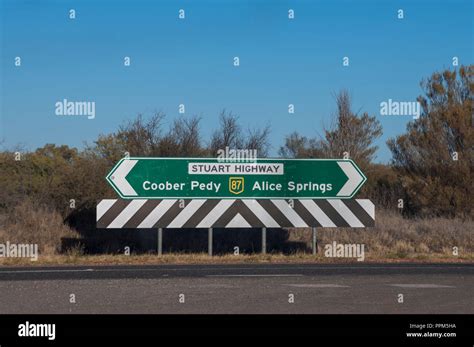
(259,288)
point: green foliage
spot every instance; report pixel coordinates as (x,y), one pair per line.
(52,176)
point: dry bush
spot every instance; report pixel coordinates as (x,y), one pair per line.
(34,224)
(435,157)
(395,236)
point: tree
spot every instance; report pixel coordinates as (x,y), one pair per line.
(183,139)
(351,133)
(257,139)
(230,134)
(146,138)
(298,146)
(141,137)
(138,137)
(435,157)
(348,133)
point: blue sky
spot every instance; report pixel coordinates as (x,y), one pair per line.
(191,61)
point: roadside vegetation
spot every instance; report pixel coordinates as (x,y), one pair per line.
(424,197)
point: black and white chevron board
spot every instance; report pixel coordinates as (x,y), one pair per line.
(235,213)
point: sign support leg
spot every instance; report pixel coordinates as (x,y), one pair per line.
(264,240)
(160,241)
(209,242)
(314,242)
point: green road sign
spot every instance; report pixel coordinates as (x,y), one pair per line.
(191,178)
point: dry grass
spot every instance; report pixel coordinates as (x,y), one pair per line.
(201,258)
(394,239)
(32,224)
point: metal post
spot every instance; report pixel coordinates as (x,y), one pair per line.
(264,240)
(160,241)
(315,243)
(209,241)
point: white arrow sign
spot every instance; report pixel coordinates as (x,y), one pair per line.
(355,178)
(119,177)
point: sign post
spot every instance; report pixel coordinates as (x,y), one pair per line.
(315,244)
(209,241)
(264,240)
(201,178)
(160,241)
